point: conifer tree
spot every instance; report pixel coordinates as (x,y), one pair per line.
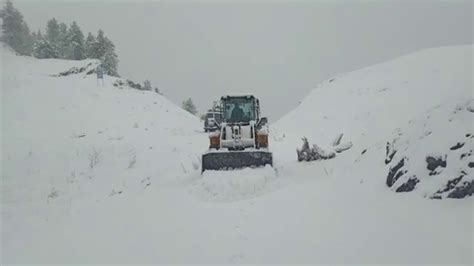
(189,106)
(15,31)
(75,37)
(63,44)
(89,44)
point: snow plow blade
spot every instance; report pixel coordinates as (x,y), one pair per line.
(235,160)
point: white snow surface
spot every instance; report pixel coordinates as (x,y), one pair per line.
(421,100)
(144,199)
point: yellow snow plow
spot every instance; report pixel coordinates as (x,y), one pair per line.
(242,138)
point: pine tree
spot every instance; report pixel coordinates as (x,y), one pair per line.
(52,31)
(63,42)
(97,45)
(52,37)
(89,45)
(104,49)
(110,60)
(37,37)
(189,106)
(75,39)
(98,49)
(44,49)
(15,31)
(147,85)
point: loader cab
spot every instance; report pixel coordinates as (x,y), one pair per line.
(240,109)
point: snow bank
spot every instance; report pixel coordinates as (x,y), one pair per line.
(433,154)
(236,184)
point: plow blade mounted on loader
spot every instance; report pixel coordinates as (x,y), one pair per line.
(235,159)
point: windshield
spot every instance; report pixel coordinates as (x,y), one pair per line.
(239,110)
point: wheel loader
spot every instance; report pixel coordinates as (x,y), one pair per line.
(242,138)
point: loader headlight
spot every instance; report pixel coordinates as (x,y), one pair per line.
(262,140)
(214,141)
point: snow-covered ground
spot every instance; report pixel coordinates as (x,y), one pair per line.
(98,174)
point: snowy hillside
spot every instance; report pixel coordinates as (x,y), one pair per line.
(420,105)
(104,174)
(55,125)
(67,139)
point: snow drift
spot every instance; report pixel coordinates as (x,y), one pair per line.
(236,184)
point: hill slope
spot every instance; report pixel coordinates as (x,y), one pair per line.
(420,105)
(54,125)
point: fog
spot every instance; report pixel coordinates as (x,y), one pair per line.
(279,50)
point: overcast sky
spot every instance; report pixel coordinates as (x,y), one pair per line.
(279,50)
